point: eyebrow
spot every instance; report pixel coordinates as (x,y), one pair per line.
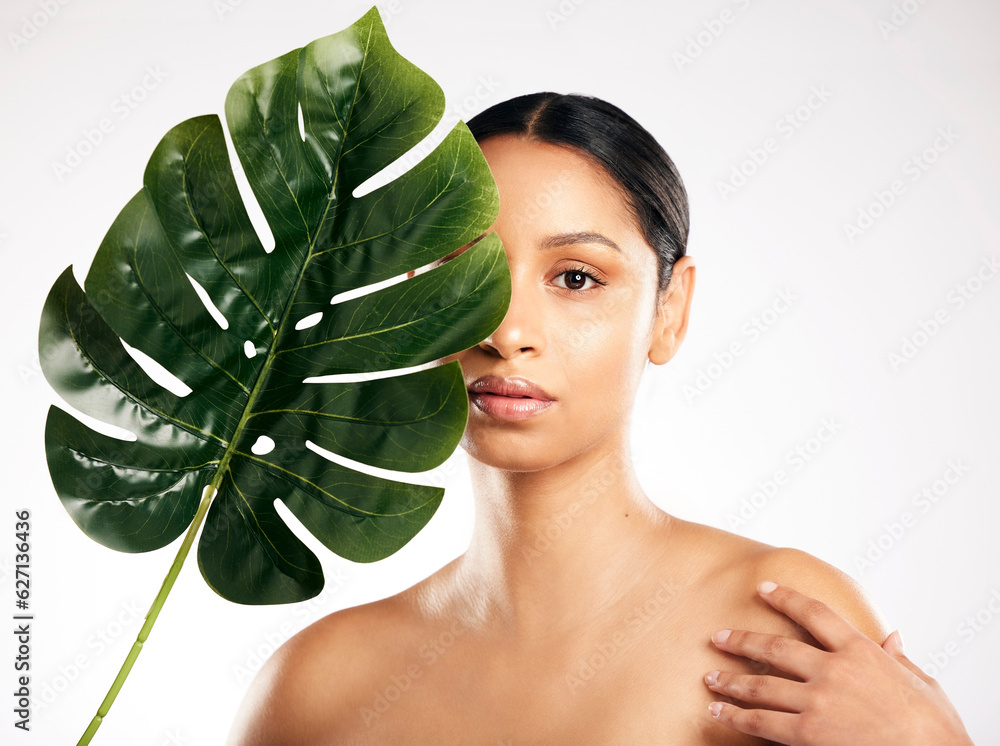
(568,239)
(559,240)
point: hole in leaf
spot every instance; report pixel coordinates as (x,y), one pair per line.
(264,445)
(310,320)
(249,350)
(112,431)
(157,372)
(366,289)
(369,376)
(407,160)
(209,305)
(302,125)
(358,465)
(254,212)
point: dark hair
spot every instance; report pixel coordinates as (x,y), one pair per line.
(624,148)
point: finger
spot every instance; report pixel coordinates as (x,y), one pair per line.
(769,724)
(893,645)
(830,629)
(769,691)
(791,656)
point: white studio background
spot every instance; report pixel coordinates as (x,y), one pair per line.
(841,159)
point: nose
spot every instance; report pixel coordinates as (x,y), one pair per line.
(522,329)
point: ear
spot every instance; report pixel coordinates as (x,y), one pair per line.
(672,312)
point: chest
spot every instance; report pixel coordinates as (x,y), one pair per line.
(637,684)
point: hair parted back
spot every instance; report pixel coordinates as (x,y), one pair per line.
(624,148)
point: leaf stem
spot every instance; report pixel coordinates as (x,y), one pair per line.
(154,611)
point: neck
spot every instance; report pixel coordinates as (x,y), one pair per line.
(553,546)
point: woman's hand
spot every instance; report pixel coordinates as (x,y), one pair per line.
(851,692)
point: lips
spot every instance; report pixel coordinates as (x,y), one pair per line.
(511,399)
(513,386)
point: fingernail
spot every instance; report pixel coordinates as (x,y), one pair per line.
(767,586)
(899,641)
(715,708)
(721,636)
(712,678)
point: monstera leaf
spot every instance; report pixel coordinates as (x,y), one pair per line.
(237,441)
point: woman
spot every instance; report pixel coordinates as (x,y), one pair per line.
(581,612)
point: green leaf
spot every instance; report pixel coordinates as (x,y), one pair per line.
(362,106)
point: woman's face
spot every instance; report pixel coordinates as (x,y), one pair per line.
(583,317)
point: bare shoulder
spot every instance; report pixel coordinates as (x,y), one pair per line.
(311,689)
(822,581)
(737,564)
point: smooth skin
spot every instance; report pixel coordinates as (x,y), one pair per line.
(581,613)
